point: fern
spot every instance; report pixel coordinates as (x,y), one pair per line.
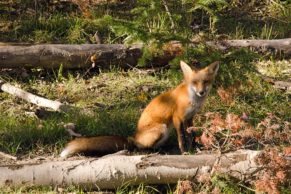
(157,22)
(207,6)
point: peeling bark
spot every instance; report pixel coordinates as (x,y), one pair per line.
(113,171)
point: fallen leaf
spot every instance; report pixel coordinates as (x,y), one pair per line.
(281,175)
(225,95)
(234,122)
(218,123)
(207,140)
(287,151)
(184,187)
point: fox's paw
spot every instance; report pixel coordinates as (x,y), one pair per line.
(186,153)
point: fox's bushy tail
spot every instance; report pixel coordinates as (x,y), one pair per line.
(100,145)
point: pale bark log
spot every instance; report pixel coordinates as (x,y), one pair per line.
(114,171)
(34,99)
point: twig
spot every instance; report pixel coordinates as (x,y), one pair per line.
(4,155)
(248,188)
(216,163)
(169,14)
(283,85)
(70,127)
(226,139)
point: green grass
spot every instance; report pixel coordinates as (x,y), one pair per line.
(39,22)
(110,102)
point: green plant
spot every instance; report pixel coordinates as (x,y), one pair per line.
(157,22)
(210,7)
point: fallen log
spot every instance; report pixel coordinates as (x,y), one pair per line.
(34,99)
(110,172)
(69,56)
(278,45)
(105,55)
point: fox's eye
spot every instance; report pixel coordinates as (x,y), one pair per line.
(205,81)
(194,82)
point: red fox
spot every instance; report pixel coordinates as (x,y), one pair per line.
(175,107)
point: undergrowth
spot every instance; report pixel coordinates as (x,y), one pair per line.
(110,102)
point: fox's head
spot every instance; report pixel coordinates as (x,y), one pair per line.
(200,80)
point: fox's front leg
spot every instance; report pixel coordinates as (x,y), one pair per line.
(178,124)
(189,134)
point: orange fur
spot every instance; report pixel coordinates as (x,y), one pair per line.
(100,144)
(175,107)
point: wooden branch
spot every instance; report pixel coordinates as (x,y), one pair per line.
(113,171)
(34,99)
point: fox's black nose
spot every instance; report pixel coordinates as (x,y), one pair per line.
(201,93)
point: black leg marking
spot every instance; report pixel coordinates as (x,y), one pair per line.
(184,137)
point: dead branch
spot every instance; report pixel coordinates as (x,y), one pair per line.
(282,85)
(34,99)
(4,155)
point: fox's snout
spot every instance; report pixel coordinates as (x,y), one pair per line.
(200,91)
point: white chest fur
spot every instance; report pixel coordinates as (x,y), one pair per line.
(195,103)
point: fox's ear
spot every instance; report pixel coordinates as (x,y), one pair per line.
(187,71)
(213,67)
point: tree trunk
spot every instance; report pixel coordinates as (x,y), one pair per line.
(110,172)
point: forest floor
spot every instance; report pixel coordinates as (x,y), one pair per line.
(110,101)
